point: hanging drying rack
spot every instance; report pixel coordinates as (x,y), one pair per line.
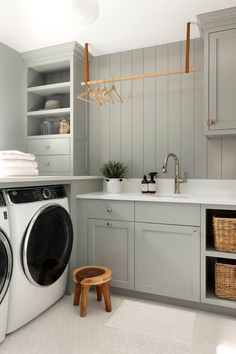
(186,69)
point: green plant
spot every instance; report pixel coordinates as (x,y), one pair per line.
(114,169)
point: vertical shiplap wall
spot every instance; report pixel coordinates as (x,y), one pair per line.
(157,116)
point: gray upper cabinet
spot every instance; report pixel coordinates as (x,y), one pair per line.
(222,81)
(167,260)
(219,34)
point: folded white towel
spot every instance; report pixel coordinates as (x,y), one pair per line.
(11,171)
(17,163)
(16,155)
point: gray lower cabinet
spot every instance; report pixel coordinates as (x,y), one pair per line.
(111,243)
(167,260)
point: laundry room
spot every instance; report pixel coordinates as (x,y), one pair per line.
(117,177)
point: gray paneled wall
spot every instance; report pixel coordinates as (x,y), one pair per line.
(12,93)
(157,116)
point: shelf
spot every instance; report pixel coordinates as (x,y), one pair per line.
(52,89)
(211,252)
(213,300)
(49,112)
(49,136)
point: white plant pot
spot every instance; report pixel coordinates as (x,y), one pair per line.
(114,185)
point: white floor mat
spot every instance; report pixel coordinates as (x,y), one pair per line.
(154,320)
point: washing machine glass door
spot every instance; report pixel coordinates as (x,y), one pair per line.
(47,245)
(5,265)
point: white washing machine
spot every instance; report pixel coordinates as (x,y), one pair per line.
(5,266)
(41,239)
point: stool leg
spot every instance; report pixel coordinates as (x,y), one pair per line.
(99,292)
(84,300)
(77,294)
(107,296)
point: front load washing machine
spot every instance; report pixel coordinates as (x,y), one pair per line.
(5,266)
(41,240)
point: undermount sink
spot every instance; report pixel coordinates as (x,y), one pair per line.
(172,195)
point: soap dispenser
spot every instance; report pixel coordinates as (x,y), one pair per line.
(144,185)
(152,186)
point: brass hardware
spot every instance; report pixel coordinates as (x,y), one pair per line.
(109,223)
(211,122)
(109,210)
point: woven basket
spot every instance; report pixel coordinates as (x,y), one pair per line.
(225,281)
(224,234)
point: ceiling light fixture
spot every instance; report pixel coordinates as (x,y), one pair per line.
(86,11)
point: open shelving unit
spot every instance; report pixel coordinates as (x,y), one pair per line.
(210,255)
(52,74)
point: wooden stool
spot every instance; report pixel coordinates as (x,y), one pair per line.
(84,278)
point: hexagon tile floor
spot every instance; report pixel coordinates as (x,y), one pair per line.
(60,330)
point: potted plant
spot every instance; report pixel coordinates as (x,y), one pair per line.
(114,171)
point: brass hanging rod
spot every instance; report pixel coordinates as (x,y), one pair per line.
(186,70)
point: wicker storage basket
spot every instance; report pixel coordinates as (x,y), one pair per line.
(224,234)
(225,281)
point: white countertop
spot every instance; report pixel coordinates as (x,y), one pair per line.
(14,181)
(164,198)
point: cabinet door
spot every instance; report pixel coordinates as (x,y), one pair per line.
(167,260)
(222,81)
(111,244)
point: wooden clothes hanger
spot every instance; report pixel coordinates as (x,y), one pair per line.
(106,95)
(87,93)
(116,94)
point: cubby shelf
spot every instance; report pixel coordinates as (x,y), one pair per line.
(210,255)
(212,299)
(52,89)
(49,112)
(216,254)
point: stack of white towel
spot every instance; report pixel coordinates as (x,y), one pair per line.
(17,163)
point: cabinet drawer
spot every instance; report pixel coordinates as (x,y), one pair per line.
(59,163)
(168,213)
(114,210)
(57,146)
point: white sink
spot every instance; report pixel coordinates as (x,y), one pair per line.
(172,195)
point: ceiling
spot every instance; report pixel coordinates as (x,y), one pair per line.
(121,25)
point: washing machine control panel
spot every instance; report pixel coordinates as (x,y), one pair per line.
(2,201)
(35,194)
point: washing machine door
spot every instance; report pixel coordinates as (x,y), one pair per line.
(47,245)
(5,265)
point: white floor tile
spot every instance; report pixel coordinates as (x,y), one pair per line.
(60,330)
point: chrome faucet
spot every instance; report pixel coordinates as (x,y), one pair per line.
(178,180)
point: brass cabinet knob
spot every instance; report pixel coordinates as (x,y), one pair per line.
(211,122)
(109,210)
(109,223)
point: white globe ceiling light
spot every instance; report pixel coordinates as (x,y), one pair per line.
(86,11)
